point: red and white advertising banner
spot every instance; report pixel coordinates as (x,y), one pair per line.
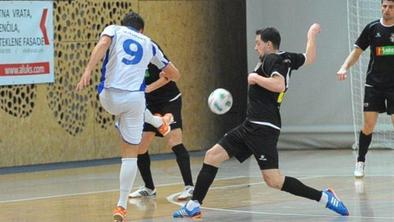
(26,42)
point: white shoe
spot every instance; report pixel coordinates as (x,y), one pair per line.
(186,193)
(359,169)
(143,192)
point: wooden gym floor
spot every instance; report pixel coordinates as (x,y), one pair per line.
(238,194)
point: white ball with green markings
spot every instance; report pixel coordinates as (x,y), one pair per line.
(220,101)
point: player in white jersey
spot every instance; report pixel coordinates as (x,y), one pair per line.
(121,90)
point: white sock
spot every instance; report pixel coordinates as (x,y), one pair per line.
(155,121)
(128,171)
(191,204)
(324,199)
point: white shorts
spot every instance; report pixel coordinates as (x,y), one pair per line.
(129,108)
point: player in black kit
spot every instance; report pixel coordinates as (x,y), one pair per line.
(258,134)
(379,87)
(163,97)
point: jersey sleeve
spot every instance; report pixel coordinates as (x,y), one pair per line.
(280,67)
(277,66)
(158,59)
(109,31)
(296,60)
(274,65)
(364,39)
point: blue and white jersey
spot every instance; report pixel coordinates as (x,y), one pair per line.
(127,59)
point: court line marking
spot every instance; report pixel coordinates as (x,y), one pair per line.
(165,185)
(97,192)
(171,199)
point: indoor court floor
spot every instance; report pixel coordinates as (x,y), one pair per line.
(88,192)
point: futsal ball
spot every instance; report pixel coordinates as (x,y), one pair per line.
(220,101)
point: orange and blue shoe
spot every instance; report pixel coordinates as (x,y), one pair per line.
(334,203)
(119,214)
(191,209)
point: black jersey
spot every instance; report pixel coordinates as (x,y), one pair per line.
(263,105)
(380,38)
(163,94)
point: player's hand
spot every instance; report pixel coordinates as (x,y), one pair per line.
(342,74)
(252,78)
(148,89)
(314,30)
(84,82)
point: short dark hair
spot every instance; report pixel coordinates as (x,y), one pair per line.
(134,20)
(270,34)
(387,0)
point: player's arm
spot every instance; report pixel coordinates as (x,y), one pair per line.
(275,83)
(362,43)
(310,52)
(97,54)
(159,60)
(353,57)
(158,83)
(170,72)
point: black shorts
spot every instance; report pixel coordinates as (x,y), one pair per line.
(377,100)
(174,107)
(250,138)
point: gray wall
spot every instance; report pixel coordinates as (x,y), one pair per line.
(317,111)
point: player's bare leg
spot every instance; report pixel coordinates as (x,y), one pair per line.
(175,137)
(370,119)
(273,178)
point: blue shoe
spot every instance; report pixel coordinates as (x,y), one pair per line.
(334,203)
(195,212)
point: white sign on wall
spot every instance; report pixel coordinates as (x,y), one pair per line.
(26,42)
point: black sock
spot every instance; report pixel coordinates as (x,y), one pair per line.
(204,181)
(363,145)
(296,187)
(143,162)
(183,160)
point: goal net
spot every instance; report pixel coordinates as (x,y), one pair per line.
(360,13)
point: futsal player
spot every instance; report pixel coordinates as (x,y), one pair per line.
(162,97)
(127,54)
(258,134)
(379,86)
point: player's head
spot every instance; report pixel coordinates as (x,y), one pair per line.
(133,20)
(267,41)
(388,9)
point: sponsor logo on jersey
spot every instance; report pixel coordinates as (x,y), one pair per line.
(385,50)
(280,97)
(263,158)
(378,35)
(147,74)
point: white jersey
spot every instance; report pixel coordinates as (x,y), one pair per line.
(127,59)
